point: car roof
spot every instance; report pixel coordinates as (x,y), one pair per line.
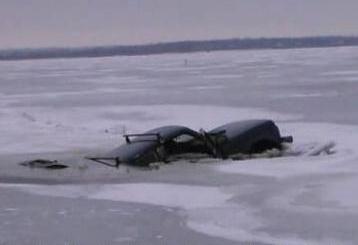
(234,129)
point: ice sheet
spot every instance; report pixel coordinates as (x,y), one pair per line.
(87,104)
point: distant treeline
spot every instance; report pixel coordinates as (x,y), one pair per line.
(179,47)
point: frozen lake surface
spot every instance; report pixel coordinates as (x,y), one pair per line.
(69,108)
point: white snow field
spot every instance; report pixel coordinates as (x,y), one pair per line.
(70,108)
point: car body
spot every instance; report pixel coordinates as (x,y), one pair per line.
(154,146)
(157,145)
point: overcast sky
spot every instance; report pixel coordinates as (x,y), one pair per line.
(43,23)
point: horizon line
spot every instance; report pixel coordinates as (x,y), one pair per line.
(188,46)
(171,42)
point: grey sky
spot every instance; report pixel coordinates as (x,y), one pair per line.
(37,23)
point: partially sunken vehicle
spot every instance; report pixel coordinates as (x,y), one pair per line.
(155,145)
(161,144)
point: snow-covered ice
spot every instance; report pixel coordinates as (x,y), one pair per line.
(78,106)
(177,196)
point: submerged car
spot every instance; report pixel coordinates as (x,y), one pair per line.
(160,144)
(155,145)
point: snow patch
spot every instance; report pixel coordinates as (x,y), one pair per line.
(169,195)
(343,193)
